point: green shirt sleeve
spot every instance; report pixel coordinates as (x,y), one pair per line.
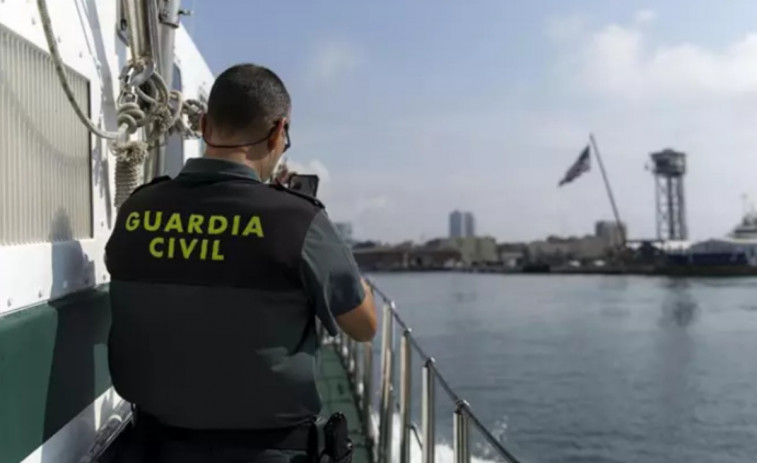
(330,274)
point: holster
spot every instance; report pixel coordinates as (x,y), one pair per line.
(333,443)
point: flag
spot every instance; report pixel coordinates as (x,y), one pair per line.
(582,164)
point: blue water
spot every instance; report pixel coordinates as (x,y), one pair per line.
(594,368)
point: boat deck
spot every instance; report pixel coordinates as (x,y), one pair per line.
(338,395)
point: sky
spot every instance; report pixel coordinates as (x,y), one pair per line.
(411,109)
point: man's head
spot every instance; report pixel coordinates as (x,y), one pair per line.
(248,118)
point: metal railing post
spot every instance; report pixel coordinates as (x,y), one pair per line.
(348,356)
(342,344)
(428,402)
(405,389)
(461,429)
(385,423)
(368,389)
(354,355)
(387,332)
(386,450)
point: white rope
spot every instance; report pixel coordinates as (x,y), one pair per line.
(193,109)
(155,96)
(131,155)
(130,117)
(51,43)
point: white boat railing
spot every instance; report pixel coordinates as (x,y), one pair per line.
(361,376)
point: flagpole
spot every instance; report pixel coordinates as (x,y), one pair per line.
(609,190)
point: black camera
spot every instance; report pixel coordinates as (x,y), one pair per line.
(305,184)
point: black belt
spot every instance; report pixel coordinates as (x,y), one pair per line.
(300,437)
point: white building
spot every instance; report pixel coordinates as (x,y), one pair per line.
(473,250)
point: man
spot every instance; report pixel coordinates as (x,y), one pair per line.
(217,279)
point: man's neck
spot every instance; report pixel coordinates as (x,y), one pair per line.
(235,156)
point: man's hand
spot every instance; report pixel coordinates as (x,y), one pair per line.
(284,175)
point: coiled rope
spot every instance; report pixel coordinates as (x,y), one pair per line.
(138,106)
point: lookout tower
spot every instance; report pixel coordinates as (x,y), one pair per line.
(669,168)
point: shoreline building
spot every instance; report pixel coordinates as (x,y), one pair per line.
(462,224)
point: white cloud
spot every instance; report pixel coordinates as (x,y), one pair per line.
(644,17)
(369,204)
(331,59)
(620,62)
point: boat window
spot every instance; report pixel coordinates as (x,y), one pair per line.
(45,168)
(175,143)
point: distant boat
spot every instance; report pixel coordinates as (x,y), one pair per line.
(733,254)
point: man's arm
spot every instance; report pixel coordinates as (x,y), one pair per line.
(360,322)
(341,296)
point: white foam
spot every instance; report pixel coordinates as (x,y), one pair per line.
(444,452)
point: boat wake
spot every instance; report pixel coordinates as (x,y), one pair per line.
(481,452)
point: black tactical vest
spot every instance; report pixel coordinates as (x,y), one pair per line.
(211,326)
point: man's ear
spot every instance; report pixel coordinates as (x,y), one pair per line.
(277,136)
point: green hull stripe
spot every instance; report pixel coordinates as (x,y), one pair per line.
(53,364)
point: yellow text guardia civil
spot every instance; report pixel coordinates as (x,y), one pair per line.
(170,247)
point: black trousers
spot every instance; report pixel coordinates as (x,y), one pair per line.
(148,442)
(183,452)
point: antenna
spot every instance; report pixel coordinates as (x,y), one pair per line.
(745,204)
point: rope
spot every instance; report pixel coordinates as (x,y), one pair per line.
(129,158)
(51,43)
(130,155)
(176,95)
(144,105)
(193,110)
(130,116)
